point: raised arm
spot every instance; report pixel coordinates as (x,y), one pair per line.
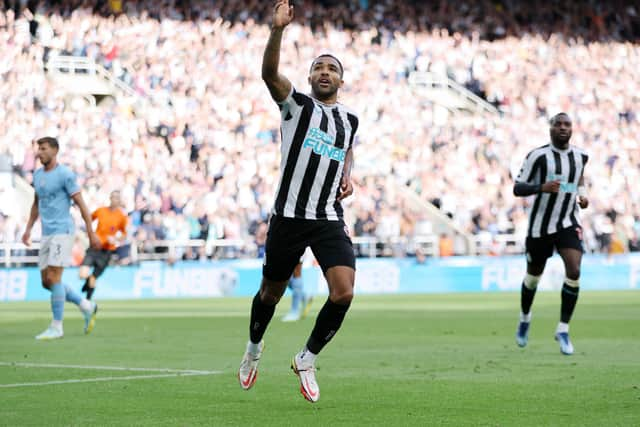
(279,86)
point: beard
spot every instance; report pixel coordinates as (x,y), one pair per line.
(323,92)
(561,139)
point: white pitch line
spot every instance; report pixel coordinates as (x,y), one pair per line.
(108,368)
(167,373)
(99,379)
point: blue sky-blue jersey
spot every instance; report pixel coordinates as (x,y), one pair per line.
(54,189)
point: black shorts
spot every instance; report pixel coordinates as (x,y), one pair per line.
(539,249)
(287,238)
(98,259)
(122,252)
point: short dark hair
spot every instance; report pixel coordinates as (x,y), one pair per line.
(552,120)
(328,55)
(53,143)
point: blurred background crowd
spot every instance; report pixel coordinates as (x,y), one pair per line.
(202,162)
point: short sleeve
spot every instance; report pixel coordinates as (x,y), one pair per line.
(70,183)
(354,122)
(292,104)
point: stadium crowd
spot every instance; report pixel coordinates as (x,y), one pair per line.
(201,161)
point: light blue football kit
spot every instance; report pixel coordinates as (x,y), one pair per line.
(55,189)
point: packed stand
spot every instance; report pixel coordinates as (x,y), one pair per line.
(202,161)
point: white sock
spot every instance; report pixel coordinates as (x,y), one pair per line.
(525,317)
(57,324)
(86,305)
(253,348)
(562,327)
(305,356)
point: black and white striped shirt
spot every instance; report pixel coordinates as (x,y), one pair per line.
(552,212)
(315,141)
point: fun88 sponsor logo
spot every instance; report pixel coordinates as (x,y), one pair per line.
(322,144)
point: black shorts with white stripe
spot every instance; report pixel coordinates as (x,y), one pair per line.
(287,239)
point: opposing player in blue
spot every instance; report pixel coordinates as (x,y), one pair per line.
(300,300)
(55,187)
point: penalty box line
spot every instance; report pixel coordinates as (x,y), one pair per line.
(166,373)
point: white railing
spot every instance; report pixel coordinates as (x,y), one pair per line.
(439,221)
(499,244)
(398,246)
(174,249)
(432,80)
(15,253)
(64,64)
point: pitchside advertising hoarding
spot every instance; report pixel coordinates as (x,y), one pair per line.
(374,276)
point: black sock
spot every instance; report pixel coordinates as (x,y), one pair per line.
(569,297)
(85,287)
(261,315)
(526,298)
(327,324)
(90,292)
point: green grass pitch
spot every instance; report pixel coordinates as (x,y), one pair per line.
(399,360)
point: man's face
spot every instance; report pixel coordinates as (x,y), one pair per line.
(325,76)
(46,153)
(560,130)
(115,199)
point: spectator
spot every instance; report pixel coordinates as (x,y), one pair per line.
(191,61)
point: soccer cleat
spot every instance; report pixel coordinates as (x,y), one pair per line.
(522,334)
(248,372)
(306,373)
(306,307)
(291,316)
(90,319)
(50,333)
(566,347)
